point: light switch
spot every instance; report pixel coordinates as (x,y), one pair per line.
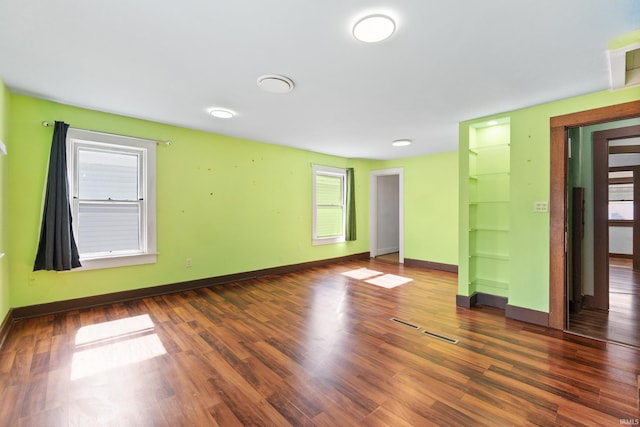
(541,207)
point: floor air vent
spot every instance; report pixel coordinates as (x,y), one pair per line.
(440,337)
(402,322)
(431,334)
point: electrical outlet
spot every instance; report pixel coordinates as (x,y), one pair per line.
(188,263)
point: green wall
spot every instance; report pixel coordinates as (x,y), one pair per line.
(430,206)
(5,303)
(530,160)
(234,205)
(231,205)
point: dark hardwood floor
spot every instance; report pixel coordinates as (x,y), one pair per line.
(392,257)
(622,322)
(309,348)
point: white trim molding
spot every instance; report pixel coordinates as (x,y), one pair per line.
(373,209)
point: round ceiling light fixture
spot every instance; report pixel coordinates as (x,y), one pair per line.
(221,113)
(401,142)
(275,84)
(374,28)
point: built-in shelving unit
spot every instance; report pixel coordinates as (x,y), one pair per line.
(488,208)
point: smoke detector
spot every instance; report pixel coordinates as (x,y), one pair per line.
(275,84)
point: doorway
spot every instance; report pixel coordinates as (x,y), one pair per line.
(615,151)
(603,185)
(560,125)
(386,218)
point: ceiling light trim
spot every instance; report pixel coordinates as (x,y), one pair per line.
(374,28)
(221,113)
(401,142)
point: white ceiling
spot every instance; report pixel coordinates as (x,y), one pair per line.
(448,61)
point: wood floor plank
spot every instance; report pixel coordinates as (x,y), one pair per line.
(620,322)
(382,417)
(310,348)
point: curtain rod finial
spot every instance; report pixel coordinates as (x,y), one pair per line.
(47,124)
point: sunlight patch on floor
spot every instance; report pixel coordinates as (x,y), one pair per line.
(114,344)
(389,281)
(361,273)
(377,278)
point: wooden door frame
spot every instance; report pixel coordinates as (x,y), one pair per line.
(559,126)
(601,140)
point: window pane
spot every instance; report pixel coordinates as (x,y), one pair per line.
(106,227)
(104,175)
(621,192)
(621,210)
(329,221)
(328,190)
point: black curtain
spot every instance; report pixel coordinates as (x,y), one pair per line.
(57,249)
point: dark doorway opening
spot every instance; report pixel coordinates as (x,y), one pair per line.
(560,238)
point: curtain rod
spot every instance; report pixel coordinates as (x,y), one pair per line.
(49,124)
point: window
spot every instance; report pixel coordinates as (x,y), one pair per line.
(112,190)
(621,201)
(621,195)
(329,210)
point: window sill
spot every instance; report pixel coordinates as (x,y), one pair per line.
(116,261)
(327,241)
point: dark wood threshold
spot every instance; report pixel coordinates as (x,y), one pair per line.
(593,342)
(6,326)
(451,268)
(584,340)
(98,300)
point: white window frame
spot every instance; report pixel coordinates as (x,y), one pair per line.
(79,138)
(327,170)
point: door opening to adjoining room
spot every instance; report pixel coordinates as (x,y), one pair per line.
(603,284)
(386,215)
(560,127)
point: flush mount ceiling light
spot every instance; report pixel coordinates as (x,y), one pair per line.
(275,84)
(401,142)
(374,28)
(221,113)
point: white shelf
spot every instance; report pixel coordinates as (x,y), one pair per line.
(489,202)
(501,229)
(489,256)
(476,150)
